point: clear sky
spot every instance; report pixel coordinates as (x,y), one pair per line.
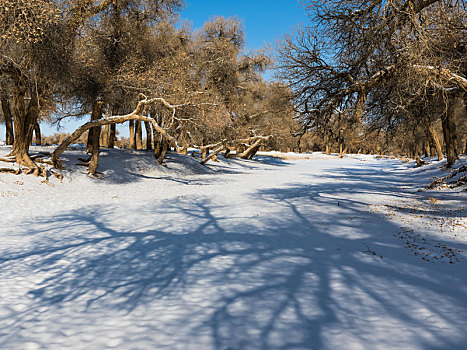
(264,22)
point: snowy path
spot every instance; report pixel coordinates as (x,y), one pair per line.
(265,255)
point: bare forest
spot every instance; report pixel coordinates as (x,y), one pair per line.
(379,77)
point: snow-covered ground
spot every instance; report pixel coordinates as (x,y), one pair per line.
(282,252)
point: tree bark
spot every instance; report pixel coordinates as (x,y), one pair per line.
(138,134)
(105,136)
(96,114)
(37,134)
(9,133)
(24,121)
(95,137)
(455,109)
(148,128)
(132,135)
(163,151)
(112,135)
(426,146)
(436,142)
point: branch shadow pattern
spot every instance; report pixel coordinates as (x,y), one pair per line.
(291,280)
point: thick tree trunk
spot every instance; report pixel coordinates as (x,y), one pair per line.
(95,137)
(132,135)
(112,135)
(9,132)
(24,121)
(455,109)
(436,142)
(138,134)
(148,128)
(37,133)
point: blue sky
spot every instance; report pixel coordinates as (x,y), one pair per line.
(264,22)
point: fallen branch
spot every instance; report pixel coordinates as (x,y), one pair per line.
(10,170)
(213,154)
(252,149)
(135,115)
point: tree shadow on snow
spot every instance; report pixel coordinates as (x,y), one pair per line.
(298,278)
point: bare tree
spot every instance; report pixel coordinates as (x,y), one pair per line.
(375,61)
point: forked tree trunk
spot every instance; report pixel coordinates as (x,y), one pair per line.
(455,109)
(138,134)
(436,142)
(37,133)
(9,133)
(132,144)
(148,128)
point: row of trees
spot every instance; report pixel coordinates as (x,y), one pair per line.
(127,61)
(364,76)
(387,75)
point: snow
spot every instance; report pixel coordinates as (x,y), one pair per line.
(273,253)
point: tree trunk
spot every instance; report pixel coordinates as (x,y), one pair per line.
(426,146)
(95,114)
(112,135)
(132,135)
(24,121)
(105,136)
(341,149)
(157,143)
(148,128)
(95,137)
(9,136)
(163,152)
(436,142)
(138,134)
(204,152)
(455,109)
(37,133)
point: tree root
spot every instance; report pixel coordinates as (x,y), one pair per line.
(443,180)
(8,159)
(420,162)
(34,169)
(10,170)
